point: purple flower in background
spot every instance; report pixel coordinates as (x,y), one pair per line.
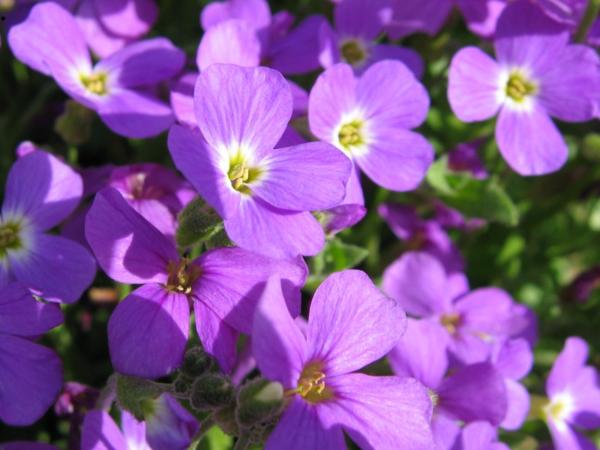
(263,195)
(473,321)
(574,397)
(422,235)
(409,16)
(537,75)
(118,87)
(168,426)
(467,393)
(244,32)
(369,119)
(357,24)
(465,158)
(351,324)
(479,436)
(223,286)
(31,374)
(41,192)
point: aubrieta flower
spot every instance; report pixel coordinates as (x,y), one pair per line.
(473,321)
(148,331)
(573,390)
(166,426)
(537,75)
(422,235)
(465,158)
(245,32)
(351,324)
(263,195)
(41,192)
(357,25)
(30,374)
(464,393)
(479,436)
(117,87)
(369,119)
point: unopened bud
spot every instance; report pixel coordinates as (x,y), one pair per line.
(74,124)
(211,391)
(137,395)
(196,362)
(198,222)
(258,401)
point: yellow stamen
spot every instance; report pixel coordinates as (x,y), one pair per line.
(9,237)
(241,175)
(518,87)
(95,82)
(451,322)
(350,134)
(353,52)
(311,384)
(182,276)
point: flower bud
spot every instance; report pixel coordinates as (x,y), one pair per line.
(211,391)
(196,362)
(258,401)
(136,395)
(198,222)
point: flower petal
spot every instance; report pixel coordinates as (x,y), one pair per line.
(300,428)
(42,188)
(566,438)
(229,42)
(144,63)
(408,56)
(421,353)
(147,332)
(518,405)
(475,392)
(100,432)
(30,380)
(128,248)
(135,114)
(567,366)
(232,281)
(360,18)
(255,12)
(50,261)
(200,164)
(529,141)
(273,232)
(242,107)
(49,35)
(277,343)
(23,315)
(473,83)
(418,282)
(391,97)
(351,323)
(131,18)
(218,338)
(332,96)
(397,159)
(304,177)
(382,412)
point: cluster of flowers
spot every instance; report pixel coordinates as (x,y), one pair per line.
(457,359)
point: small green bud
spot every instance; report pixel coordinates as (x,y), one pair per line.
(258,401)
(136,395)
(182,384)
(211,391)
(196,362)
(198,222)
(74,124)
(225,419)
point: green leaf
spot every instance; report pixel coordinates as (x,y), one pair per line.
(215,439)
(336,256)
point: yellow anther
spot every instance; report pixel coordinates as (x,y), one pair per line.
(451,322)
(9,237)
(311,384)
(353,52)
(95,82)
(182,276)
(518,87)
(350,134)
(240,175)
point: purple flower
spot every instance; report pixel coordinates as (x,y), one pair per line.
(369,119)
(118,87)
(263,195)
(351,324)
(574,397)
(168,426)
(41,191)
(465,158)
(357,24)
(422,235)
(243,32)
(31,374)
(410,16)
(537,75)
(473,321)
(479,436)
(467,393)
(148,330)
